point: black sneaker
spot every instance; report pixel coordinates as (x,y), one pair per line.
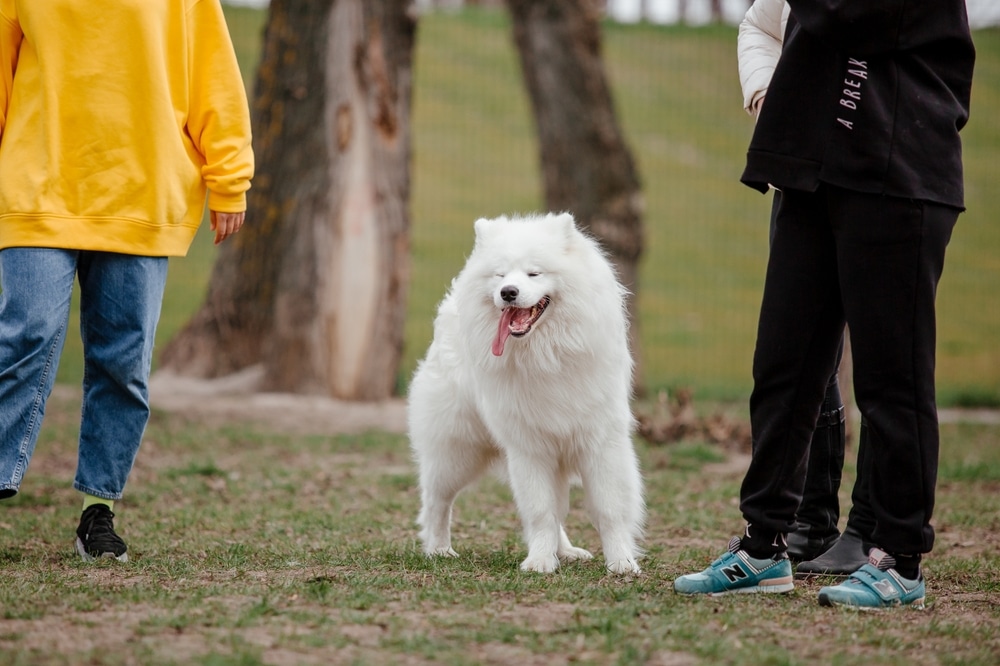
(96,538)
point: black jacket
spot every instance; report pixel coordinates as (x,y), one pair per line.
(869,95)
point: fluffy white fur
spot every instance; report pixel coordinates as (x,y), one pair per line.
(546,406)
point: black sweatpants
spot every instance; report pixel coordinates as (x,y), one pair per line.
(819,511)
(872,262)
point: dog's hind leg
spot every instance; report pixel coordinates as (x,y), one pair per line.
(567,552)
(443,475)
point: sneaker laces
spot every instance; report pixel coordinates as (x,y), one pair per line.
(97,531)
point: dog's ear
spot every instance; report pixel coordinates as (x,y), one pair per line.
(565,223)
(487,228)
(483,226)
(564,220)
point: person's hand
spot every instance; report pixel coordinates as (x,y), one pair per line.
(225,224)
(756,106)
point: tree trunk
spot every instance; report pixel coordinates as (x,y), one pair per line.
(313,289)
(717,11)
(586,166)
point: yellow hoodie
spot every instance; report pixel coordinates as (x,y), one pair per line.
(116,118)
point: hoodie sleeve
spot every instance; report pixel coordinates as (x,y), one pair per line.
(10,46)
(758,48)
(219,116)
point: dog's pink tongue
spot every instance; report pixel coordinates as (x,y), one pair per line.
(503,330)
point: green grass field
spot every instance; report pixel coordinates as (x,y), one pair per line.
(254,544)
(678,98)
(250,545)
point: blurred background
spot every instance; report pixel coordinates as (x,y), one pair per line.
(672,69)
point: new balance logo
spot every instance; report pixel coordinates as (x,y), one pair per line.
(734,573)
(886,589)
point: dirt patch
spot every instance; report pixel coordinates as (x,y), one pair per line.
(237,398)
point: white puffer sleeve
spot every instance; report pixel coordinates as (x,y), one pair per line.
(758,48)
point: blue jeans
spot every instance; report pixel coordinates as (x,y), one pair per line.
(120,299)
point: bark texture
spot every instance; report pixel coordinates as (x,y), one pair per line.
(587,168)
(313,289)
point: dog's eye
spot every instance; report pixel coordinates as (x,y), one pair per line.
(534,274)
(500,275)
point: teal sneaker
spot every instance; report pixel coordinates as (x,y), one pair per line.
(736,571)
(875,585)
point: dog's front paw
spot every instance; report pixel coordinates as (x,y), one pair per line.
(540,563)
(573,554)
(625,566)
(445,551)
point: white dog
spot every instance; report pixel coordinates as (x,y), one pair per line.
(530,371)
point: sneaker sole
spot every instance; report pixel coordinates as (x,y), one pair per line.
(916,604)
(808,575)
(87,557)
(774,588)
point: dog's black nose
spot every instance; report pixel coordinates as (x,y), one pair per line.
(508,294)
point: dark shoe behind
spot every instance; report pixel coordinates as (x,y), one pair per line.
(802,546)
(844,558)
(96,537)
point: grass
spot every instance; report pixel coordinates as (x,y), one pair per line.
(678,99)
(251,546)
